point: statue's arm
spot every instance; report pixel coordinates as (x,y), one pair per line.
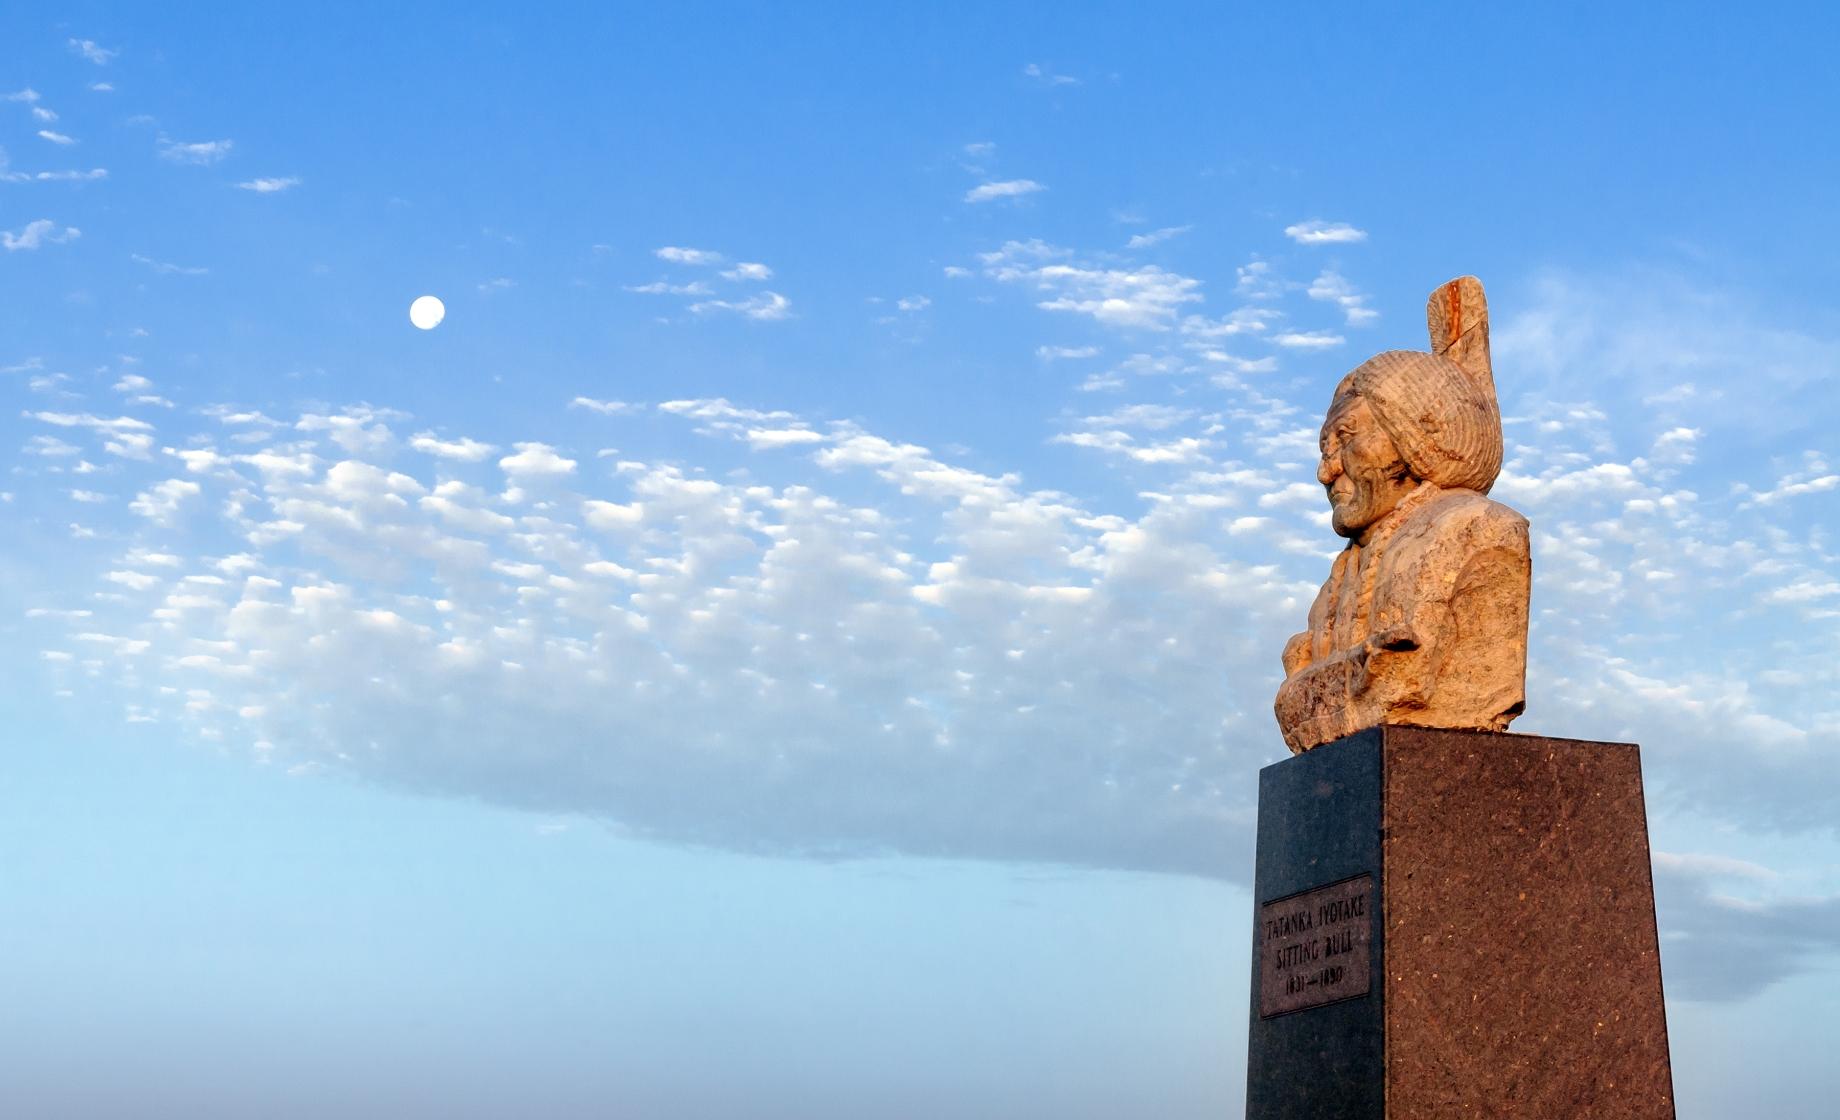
(1456,656)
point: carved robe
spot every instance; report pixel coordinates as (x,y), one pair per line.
(1434,594)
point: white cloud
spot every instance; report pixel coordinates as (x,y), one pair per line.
(1308,340)
(102,87)
(53,612)
(89,49)
(44,231)
(1244,320)
(227,415)
(666,288)
(269,185)
(612,516)
(1331,286)
(605,408)
(678,255)
(1155,417)
(749,270)
(1318,232)
(1185,449)
(139,390)
(766,306)
(1037,73)
(56,137)
(1146,297)
(498,284)
(28,95)
(1157,237)
(7,175)
(49,447)
(199,460)
(1796,485)
(166,268)
(1676,445)
(536,460)
(1256,280)
(1055,353)
(359,430)
(721,411)
(160,502)
(124,436)
(462,450)
(913,303)
(782,437)
(200,152)
(1803,591)
(464,507)
(1011,188)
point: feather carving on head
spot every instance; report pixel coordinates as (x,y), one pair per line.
(1457,316)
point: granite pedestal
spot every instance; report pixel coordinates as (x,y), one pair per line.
(1455,924)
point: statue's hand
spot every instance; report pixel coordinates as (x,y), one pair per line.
(1398,639)
(1296,653)
(1378,649)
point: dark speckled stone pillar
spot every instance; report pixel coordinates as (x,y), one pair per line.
(1455,924)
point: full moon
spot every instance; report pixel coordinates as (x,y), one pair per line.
(427,312)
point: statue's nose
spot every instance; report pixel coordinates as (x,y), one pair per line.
(1328,469)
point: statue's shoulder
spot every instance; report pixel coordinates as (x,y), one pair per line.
(1467,513)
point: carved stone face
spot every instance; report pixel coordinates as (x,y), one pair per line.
(1361,468)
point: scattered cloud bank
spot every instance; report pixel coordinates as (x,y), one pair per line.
(1146,297)
(808,636)
(829,640)
(688,653)
(704,296)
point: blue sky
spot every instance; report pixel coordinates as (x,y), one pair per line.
(798,638)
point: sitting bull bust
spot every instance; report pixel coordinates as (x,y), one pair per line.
(1423,619)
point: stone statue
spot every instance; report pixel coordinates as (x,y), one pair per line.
(1423,620)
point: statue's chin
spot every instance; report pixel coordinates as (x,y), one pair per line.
(1361,511)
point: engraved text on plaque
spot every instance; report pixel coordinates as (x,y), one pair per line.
(1314,946)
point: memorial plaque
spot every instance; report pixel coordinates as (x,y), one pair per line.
(1314,946)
